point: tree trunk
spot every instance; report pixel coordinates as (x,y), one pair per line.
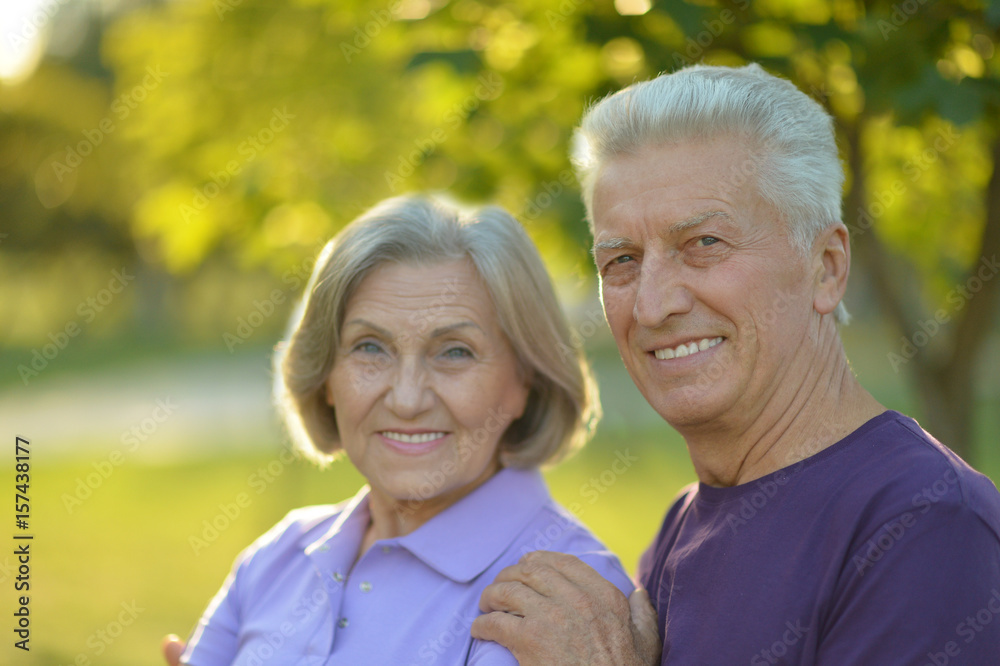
(945,383)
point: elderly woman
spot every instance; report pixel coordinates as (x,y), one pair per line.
(431,350)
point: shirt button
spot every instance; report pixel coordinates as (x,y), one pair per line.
(366,586)
(323,548)
(342,622)
(386,549)
(337,576)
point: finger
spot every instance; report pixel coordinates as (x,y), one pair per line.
(571,567)
(645,626)
(510,597)
(536,575)
(498,627)
(172,647)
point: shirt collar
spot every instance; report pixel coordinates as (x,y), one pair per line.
(349,526)
(466,538)
(463,540)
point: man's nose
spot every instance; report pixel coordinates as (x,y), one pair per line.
(661,292)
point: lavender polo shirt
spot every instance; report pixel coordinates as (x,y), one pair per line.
(294,598)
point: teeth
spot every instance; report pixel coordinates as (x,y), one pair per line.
(413,439)
(686,349)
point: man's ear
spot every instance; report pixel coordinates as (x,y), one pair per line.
(832,264)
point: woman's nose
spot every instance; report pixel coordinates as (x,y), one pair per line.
(410,393)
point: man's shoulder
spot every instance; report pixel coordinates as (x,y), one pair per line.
(896,468)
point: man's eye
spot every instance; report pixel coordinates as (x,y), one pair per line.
(622,259)
(705,241)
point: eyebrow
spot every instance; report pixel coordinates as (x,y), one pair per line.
(364,322)
(698,219)
(620,242)
(441,330)
(437,332)
(613,244)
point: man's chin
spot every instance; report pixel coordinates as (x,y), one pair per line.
(686,408)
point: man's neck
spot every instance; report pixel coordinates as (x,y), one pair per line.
(827,405)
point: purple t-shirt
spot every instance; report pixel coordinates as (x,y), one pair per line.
(881,549)
(297,596)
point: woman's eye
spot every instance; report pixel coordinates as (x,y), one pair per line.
(705,241)
(457,352)
(367,348)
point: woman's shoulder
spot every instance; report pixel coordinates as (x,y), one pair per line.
(560,530)
(299,528)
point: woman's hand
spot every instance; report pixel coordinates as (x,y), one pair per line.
(172,647)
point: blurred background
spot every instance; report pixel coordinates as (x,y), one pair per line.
(169,169)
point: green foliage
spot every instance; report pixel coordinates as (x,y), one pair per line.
(245,132)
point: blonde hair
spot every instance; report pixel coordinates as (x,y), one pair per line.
(563,406)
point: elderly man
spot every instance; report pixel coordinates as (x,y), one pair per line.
(823,529)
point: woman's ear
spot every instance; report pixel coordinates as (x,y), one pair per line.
(832,264)
(328,391)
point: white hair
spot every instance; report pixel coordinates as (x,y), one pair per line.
(792,153)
